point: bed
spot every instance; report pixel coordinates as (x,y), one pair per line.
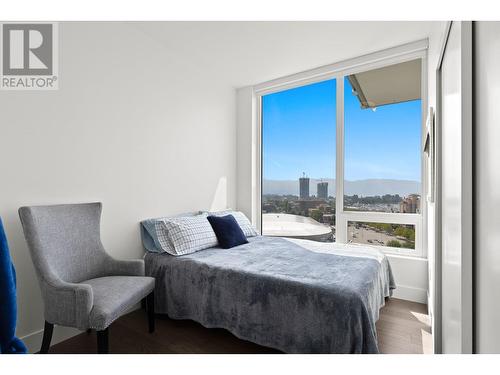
(297,296)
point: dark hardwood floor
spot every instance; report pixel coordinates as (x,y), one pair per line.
(402,328)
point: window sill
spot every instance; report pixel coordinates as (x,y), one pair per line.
(407,257)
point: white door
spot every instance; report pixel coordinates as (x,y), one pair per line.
(455,191)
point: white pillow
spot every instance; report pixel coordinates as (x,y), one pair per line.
(245,224)
(185,235)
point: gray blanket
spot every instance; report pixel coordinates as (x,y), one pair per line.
(278,293)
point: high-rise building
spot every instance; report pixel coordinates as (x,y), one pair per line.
(304,187)
(410,204)
(323,190)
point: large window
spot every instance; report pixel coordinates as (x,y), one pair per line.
(342,161)
(298,162)
(382,131)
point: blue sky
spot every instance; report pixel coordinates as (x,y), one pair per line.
(299,136)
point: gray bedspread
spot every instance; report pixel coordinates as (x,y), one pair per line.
(279,293)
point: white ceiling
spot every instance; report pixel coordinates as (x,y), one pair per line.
(248,53)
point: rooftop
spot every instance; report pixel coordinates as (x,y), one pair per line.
(288,225)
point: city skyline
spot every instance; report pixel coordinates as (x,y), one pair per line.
(368,187)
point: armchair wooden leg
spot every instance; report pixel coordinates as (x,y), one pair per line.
(89,331)
(151,311)
(102,342)
(47,337)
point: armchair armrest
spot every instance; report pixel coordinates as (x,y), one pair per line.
(115,267)
(67,303)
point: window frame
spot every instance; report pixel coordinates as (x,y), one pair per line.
(338,71)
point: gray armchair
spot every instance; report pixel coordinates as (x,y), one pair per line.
(82,286)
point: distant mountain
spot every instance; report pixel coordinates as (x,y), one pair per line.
(365,188)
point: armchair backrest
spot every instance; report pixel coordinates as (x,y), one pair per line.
(64,241)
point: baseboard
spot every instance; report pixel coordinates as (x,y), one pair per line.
(409,293)
(34,340)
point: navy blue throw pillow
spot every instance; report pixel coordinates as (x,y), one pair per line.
(227,231)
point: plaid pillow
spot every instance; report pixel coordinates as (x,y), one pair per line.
(245,225)
(185,235)
(162,237)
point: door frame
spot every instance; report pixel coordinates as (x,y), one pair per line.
(467,308)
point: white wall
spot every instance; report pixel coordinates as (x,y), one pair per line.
(411,276)
(245,156)
(134,124)
(487,182)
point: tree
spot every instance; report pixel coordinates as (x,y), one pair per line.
(393,243)
(405,232)
(315,214)
(408,245)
